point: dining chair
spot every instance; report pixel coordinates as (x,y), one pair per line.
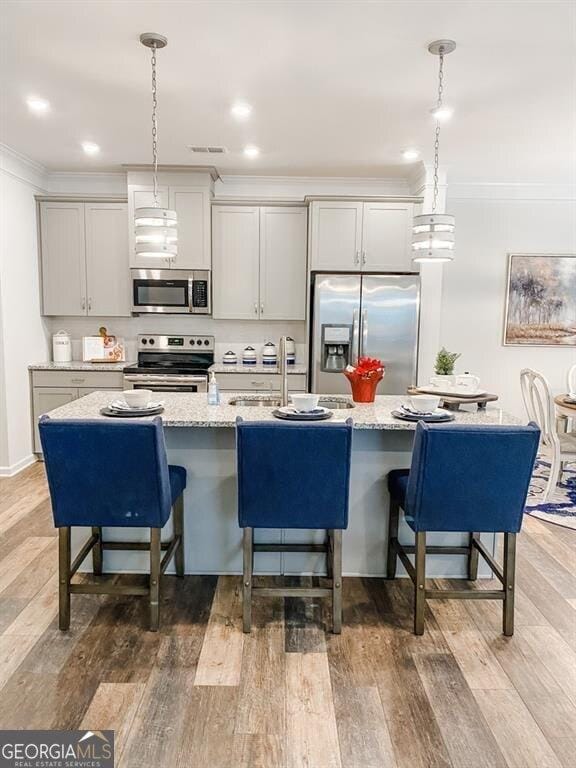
(293,476)
(540,408)
(463,478)
(112,474)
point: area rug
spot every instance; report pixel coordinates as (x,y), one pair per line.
(561,508)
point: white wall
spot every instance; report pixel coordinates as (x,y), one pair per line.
(474,287)
(24,336)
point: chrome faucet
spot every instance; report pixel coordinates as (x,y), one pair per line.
(283,371)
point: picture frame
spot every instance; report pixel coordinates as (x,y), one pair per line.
(540,307)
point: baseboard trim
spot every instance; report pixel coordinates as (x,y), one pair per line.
(14,469)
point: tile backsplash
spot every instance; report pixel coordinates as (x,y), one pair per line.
(229,334)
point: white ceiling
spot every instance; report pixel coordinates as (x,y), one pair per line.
(337,87)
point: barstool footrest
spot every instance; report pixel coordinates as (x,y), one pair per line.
(292,591)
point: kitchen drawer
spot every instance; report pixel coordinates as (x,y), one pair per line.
(259,382)
(92,379)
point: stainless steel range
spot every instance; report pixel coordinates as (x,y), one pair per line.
(171,363)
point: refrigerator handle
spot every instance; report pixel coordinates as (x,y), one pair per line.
(364,336)
(355,337)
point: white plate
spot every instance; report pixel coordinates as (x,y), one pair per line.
(291,410)
(120,405)
(412,412)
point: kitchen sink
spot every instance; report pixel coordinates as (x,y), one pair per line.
(274,402)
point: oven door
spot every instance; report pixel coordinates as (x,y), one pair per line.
(167,291)
(166,383)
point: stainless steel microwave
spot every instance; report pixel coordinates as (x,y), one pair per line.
(171,291)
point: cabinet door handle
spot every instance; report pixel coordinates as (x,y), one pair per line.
(255,307)
(363,257)
(89,304)
(261,309)
(357,257)
(83,303)
(77,381)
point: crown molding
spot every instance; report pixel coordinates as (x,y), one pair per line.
(297,188)
(23,168)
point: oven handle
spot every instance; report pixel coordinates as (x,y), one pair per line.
(165,379)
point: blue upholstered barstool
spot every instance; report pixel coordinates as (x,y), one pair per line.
(113,474)
(463,478)
(294,476)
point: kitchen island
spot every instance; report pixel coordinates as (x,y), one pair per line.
(202,439)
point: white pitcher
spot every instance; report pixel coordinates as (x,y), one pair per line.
(467,381)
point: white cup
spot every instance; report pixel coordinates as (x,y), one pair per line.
(137,398)
(305,402)
(424,403)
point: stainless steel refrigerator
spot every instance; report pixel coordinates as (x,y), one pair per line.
(364,315)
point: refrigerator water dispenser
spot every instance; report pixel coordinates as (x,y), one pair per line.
(336,347)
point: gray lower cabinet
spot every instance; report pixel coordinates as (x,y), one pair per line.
(258,382)
(51,389)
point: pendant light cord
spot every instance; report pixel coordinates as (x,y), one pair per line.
(154,127)
(437,133)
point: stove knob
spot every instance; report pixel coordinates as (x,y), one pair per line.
(144,341)
(206,342)
(191,342)
(151,341)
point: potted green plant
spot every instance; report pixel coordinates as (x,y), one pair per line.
(444,368)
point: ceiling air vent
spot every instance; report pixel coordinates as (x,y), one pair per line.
(208,150)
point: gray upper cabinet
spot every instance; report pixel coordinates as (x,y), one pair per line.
(259,262)
(63,249)
(84,257)
(350,236)
(192,206)
(107,275)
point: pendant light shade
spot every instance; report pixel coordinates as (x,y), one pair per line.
(433,233)
(155,228)
(433,237)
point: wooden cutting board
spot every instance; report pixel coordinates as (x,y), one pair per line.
(453,402)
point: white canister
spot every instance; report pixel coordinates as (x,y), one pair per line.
(269,355)
(61,347)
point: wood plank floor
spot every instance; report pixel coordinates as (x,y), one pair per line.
(200,694)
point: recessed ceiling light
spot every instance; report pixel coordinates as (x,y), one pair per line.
(241,110)
(90,148)
(442,113)
(411,154)
(251,151)
(40,106)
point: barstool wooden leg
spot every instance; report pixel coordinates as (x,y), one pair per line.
(329,549)
(392,539)
(155,555)
(178,518)
(97,552)
(248,553)
(420,585)
(473,558)
(509,583)
(64,578)
(337,581)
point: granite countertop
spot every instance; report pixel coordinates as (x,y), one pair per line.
(192,410)
(78,365)
(240,368)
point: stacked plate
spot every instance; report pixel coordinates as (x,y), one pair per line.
(123,410)
(290,413)
(407,413)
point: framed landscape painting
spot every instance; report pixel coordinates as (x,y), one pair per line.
(541,300)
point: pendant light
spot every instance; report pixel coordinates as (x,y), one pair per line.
(433,233)
(155,227)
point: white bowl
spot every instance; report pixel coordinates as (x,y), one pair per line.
(424,403)
(305,402)
(137,398)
